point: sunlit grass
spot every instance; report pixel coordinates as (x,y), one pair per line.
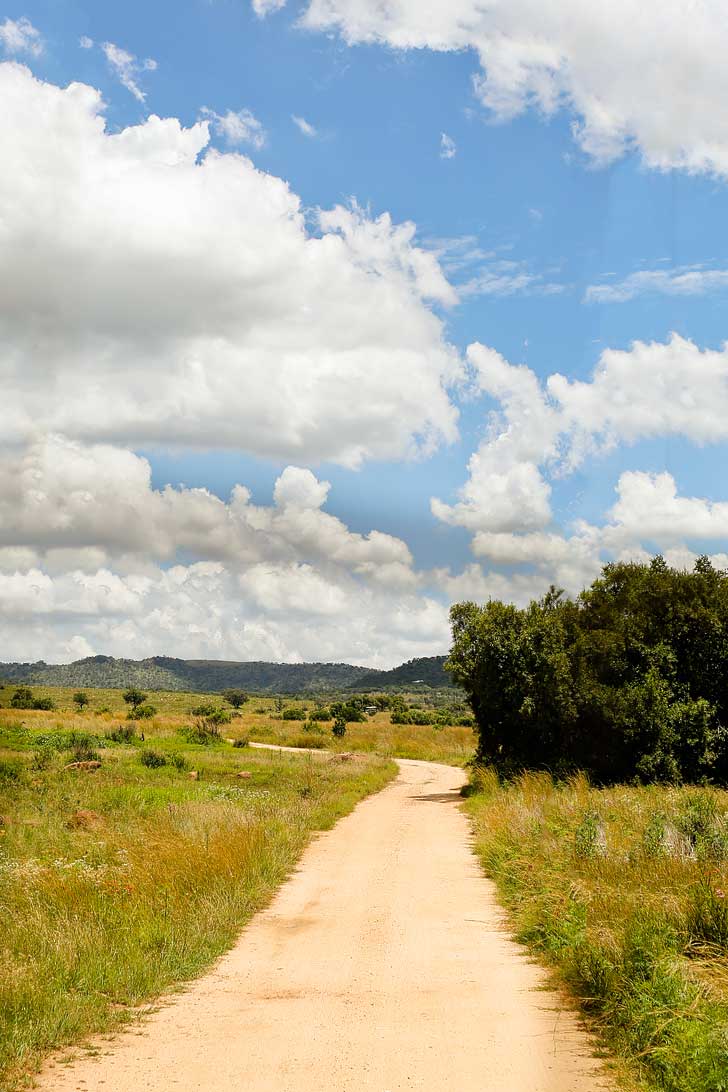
(625,892)
(117,883)
(258,720)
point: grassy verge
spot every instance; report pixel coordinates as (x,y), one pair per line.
(450,745)
(624,891)
(118,882)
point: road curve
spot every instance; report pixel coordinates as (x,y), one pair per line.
(380,966)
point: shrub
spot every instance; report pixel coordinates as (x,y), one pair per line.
(82,747)
(204,709)
(125,733)
(152,759)
(236,698)
(293,714)
(339,728)
(214,713)
(22,698)
(205,730)
(319,714)
(43,703)
(177,760)
(241,741)
(143,712)
(11,770)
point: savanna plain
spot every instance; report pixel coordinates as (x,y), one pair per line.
(133,849)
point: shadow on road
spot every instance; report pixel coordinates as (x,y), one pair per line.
(453,797)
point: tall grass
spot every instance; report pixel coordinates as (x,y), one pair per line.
(118,883)
(625,892)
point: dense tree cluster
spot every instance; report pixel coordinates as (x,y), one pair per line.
(629,681)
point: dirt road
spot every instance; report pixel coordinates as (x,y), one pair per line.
(381,966)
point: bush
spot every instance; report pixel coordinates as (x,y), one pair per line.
(125,733)
(23,699)
(214,713)
(339,728)
(11,771)
(241,741)
(319,714)
(82,747)
(152,759)
(134,697)
(293,714)
(236,698)
(174,758)
(46,704)
(143,712)
(205,730)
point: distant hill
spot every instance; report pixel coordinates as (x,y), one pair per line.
(426,670)
(167,673)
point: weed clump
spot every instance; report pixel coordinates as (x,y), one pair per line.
(124,733)
(205,731)
(152,759)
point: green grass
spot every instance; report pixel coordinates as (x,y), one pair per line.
(259,720)
(118,883)
(624,892)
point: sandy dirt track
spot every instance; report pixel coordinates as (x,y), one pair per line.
(382,964)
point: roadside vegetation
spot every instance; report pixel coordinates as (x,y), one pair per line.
(624,892)
(621,887)
(132,852)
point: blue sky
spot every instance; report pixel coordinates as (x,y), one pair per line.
(527,224)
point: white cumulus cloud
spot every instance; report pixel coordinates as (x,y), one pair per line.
(175,295)
(650,76)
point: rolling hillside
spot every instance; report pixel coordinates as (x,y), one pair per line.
(166,673)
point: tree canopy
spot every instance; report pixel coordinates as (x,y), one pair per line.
(628,681)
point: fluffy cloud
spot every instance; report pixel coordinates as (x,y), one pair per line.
(20,36)
(650,76)
(284,613)
(95,504)
(236,127)
(540,430)
(92,557)
(175,295)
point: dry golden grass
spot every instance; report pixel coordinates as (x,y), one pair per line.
(625,892)
(117,883)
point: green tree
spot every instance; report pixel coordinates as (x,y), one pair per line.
(81,699)
(134,697)
(628,681)
(339,728)
(236,698)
